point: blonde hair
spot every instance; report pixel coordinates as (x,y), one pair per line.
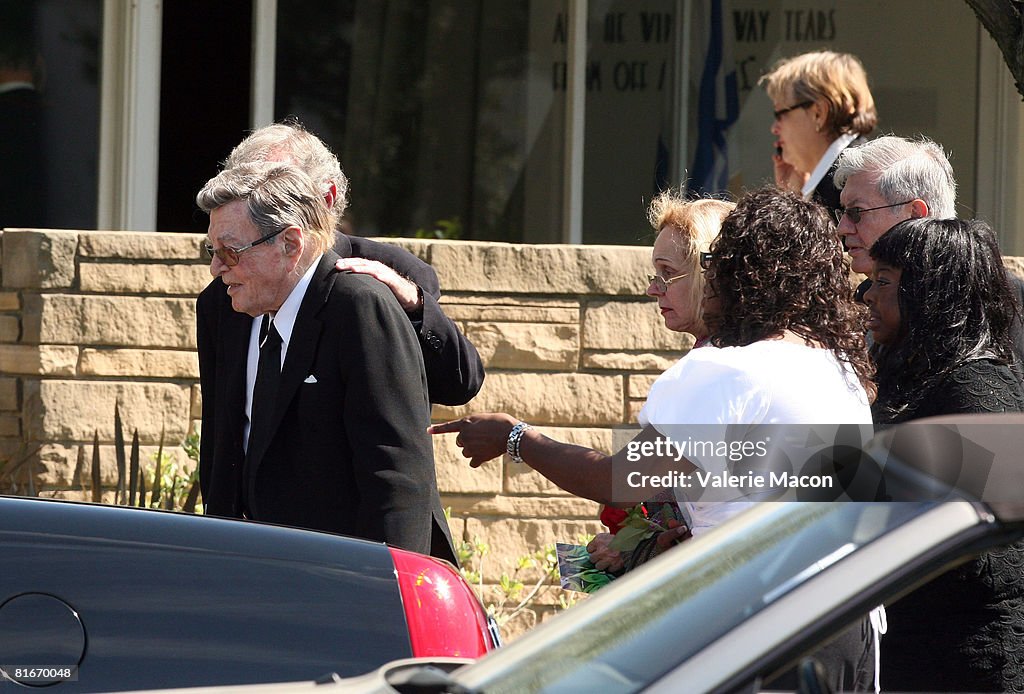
(694,225)
(838,78)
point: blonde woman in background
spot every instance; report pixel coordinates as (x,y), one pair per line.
(822,105)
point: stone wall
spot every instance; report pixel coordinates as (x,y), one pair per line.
(90,319)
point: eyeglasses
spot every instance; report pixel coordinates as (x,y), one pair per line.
(783,111)
(662,283)
(705,260)
(229,256)
(854,213)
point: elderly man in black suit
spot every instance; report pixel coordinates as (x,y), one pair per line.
(315,395)
(454,370)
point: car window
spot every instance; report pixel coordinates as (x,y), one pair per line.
(682,603)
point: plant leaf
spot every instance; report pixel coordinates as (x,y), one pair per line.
(133,469)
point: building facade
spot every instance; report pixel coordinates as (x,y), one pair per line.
(522,121)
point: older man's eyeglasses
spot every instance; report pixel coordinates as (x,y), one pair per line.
(662,283)
(854,213)
(229,256)
(783,111)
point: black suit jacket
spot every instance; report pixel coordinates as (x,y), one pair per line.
(826,193)
(454,370)
(347,451)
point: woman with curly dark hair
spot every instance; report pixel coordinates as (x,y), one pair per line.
(941,310)
(787,347)
(941,313)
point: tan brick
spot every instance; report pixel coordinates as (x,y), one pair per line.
(475,266)
(110,320)
(9,301)
(152,363)
(526,507)
(550,398)
(10,425)
(521,479)
(10,329)
(9,394)
(629,325)
(1015,265)
(640,385)
(454,475)
(510,309)
(73,410)
(624,361)
(634,407)
(55,464)
(196,406)
(48,360)
(143,245)
(39,259)
(526,345)
(126,278)
(510,538)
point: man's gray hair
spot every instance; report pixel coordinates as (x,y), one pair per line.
(277,195)
(290,142)
(902,170)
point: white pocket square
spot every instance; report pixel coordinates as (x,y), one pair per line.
(310,379)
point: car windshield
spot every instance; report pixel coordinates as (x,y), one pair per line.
(665,612)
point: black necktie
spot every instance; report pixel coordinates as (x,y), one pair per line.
(264,393)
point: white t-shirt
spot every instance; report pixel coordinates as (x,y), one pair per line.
(767,382)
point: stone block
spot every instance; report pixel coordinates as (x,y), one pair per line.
(474,266)
(629,325)
(526,346)
(149,363)
(549,398)
(633,408)
(10,329)
(526,507)
(640,385)
(521,479)
(128,321)
(9,301)
(1015,264)
(142,245)
(510,309)
(38,360)
(34,259)
(511,538)
(128,278)
(73,410)
(10,425)
(454,475)
(635,361)
(196,407)
(9,394)
(56,465)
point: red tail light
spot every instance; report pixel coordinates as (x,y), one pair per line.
(444,616)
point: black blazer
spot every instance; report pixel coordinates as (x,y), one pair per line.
(826,192)
(348,450)
(454,370)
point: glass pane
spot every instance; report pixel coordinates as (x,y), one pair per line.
(49,112)
(428,107)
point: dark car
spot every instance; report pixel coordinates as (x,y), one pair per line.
(100,598)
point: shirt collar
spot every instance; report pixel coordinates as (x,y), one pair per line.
(284,319)
(826,162)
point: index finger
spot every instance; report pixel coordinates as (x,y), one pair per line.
(447,427)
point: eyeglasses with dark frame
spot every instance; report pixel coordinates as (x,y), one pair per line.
(854,213)
(229,256)
(662,283)
(783,111)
